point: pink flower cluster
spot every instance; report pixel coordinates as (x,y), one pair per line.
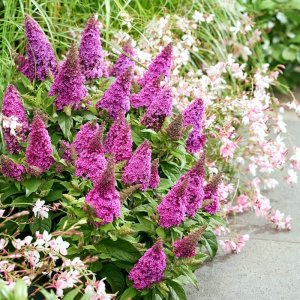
(150,267)
(234,245)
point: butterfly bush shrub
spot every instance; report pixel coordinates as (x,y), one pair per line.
(101,194)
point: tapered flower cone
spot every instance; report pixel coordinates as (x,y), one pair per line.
(119,140)
(84,136)
(172,208)
(90,51)
(68,85)
(124,61)
(154,179)
(158,110)
(150,267)
(138,168)
(211,193)
(104,197)
(91,162)
(10,169)
(175,128)
(39,148)
(15,122)
(40,58)
(116,98)
(161,66)
(187,246)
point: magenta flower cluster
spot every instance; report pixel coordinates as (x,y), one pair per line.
(211,194)
(185,198)
(146,95)
(84,136)
(116,98)
(91,161)
(160,67)
(124,61)
(104,197)
(158,110)
(40,59)
(39,148)
(10,169)
(150,267)
(154,179)
(138,168)
(90,51)
(187,246)
(172,208)
(12,108)
(118,140)
(193,115)
(68,85)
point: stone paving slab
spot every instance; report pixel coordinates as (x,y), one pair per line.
(268,268)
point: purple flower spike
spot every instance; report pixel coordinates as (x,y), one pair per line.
(124,62)
(91,162)
(10,169)
(155,179)
(15,121)
(195,141)
(146,95)
(172,208)
(118,140)
(193,116)
(90,51)
(116,98)
(211,194)
(39,148)
(68,85)
(150,267)
(195,191)
(161,66)
(158,110)
(138,168)
(40,58)
(187,246)
(104,197)
(84,136)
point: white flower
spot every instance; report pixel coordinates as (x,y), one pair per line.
(292,177)
(11,123)
(198,17)
(3,243)
(210,18)
(40,210)
(59,245)
(2,212)
(281,17)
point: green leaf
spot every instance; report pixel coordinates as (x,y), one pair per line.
(114,276)
(20,290)
(119,249)
(176,291)
(31,185)
(129,293)
(289,54)
(41,225)
(65,123)
(72,294)
(49,296)
(54,195)
(210,242)
(161,232)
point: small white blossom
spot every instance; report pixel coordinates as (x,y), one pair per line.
(40,210)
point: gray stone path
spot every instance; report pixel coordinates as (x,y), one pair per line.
(268,268)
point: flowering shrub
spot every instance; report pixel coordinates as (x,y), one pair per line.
(98,199)
(136,167)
